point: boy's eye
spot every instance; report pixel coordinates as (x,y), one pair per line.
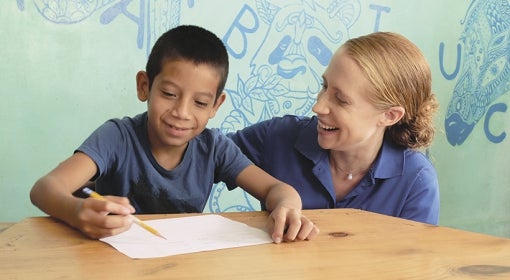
(168,94)
(201,104)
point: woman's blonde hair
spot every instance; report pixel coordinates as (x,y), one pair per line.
(400,76)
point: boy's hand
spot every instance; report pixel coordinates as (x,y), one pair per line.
(287,224)
(93,217)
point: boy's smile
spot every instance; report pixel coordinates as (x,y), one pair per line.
(177,131)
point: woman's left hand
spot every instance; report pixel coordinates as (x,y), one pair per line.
(288,224)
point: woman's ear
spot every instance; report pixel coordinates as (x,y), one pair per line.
(142,85)
(393,115)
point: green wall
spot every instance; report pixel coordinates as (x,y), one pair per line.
(65,71)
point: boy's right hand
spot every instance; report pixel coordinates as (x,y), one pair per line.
(94,220)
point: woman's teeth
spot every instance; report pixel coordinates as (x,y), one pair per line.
(325,127)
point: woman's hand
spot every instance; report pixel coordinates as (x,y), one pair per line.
(288,224)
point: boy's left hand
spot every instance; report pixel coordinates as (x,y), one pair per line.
(287,224)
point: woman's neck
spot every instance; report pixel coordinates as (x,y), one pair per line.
(353,163)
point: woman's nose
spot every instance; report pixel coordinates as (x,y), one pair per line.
(320,104)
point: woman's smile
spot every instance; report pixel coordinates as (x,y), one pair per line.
(323,126)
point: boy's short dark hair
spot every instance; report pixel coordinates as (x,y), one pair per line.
(191,43)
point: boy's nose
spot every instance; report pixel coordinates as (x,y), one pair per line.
(182,109)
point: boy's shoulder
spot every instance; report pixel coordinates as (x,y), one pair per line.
(210,136)
(127,121)
(213,140)
(120,129)
(209,132)
(139,119)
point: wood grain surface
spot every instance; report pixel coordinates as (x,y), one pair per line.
(352,244)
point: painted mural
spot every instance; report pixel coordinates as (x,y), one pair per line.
(298,38)
(482,72)
(284,74)
(153,17)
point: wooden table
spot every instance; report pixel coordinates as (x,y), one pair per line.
(4,226)
(353,244)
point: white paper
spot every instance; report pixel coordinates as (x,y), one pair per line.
(186,235)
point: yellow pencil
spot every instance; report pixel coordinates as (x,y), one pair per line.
(94,194)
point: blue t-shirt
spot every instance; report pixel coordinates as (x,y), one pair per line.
(126,167)
(401,183)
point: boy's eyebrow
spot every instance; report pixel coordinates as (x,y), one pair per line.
(206,94)
(202,93)
(168,81)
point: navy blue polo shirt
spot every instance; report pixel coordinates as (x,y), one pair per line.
(401,183)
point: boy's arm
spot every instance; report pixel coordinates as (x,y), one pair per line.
(282,201)
(53,194)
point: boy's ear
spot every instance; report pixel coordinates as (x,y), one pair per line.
(142,85)
(217,104)
(393,115)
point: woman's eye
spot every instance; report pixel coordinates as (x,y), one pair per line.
(342,101)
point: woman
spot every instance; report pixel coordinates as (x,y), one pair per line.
(363,149)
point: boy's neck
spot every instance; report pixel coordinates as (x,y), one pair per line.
(169,158)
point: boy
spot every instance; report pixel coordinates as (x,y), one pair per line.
(165,160)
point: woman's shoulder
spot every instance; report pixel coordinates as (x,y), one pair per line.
(404,160)
(289,122)
(418,158)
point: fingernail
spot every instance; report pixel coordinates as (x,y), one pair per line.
(277,240)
